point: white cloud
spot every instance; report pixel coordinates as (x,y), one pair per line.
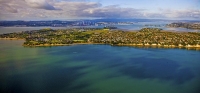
(48,9)
(190,13)
(92,9)
(40,4)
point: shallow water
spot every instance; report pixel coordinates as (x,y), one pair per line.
(97,69)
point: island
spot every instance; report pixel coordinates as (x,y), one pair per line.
(144,37)
(188,25)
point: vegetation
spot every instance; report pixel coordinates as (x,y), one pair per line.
(185,25)
(144,37)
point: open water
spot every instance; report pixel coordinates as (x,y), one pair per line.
(97,69)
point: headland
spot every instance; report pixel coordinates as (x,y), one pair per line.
(153,37)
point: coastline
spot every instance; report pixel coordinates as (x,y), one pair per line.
(131,45)
(197,47)
(11,39)
(141,45)
(157,45)
(47,45)
(146,37)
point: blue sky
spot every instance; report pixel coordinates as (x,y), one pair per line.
(152,3)
(76,9)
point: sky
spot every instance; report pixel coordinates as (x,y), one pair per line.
(95,9)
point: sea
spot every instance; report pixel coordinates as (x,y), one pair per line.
(96,68)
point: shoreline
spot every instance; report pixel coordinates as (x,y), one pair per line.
(127,45)
(49,45)
(11,39)
(153,45)
(134,45)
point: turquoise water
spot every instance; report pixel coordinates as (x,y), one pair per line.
(97,69)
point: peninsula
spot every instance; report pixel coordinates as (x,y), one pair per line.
(143,37)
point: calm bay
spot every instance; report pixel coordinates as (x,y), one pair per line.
(97,69)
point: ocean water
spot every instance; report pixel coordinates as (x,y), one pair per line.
(97,69)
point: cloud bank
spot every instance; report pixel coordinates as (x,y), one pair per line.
(67,9)
(40,4)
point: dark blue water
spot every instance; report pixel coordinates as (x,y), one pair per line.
(97,69)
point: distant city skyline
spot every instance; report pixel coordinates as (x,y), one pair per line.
(92,9)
